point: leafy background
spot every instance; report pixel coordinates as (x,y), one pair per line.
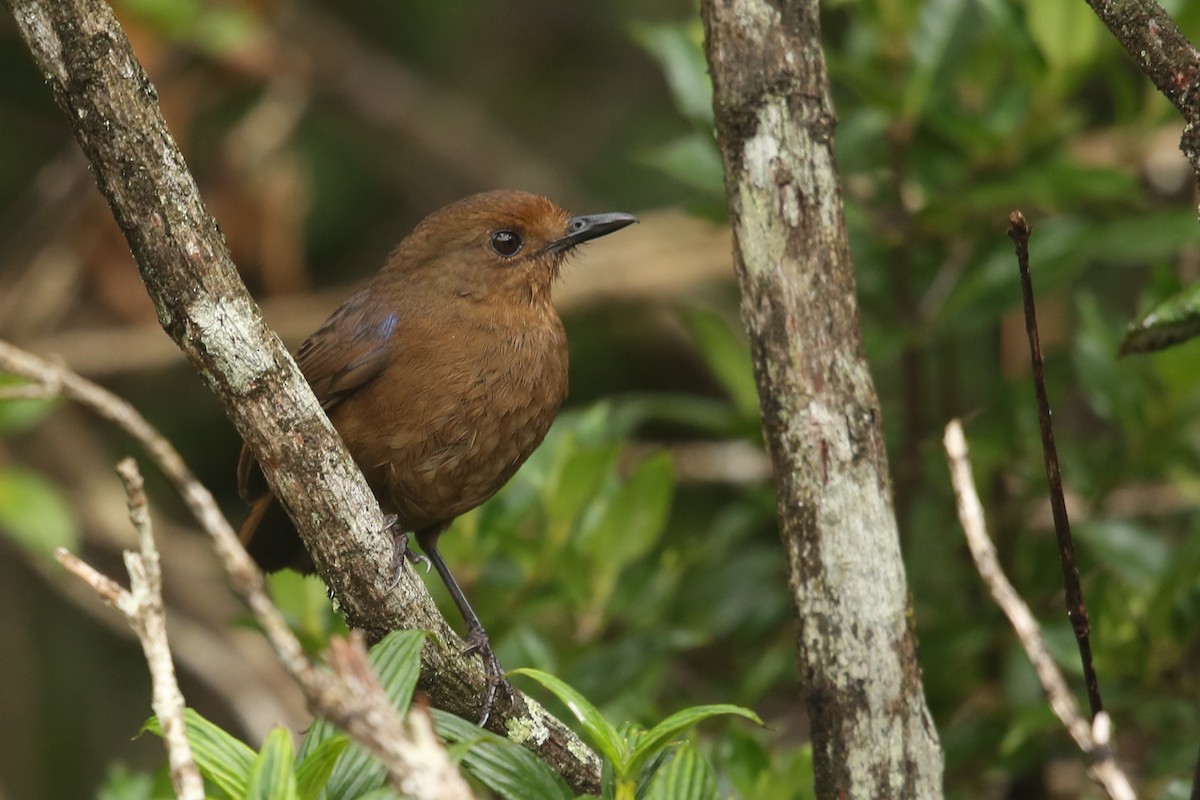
(635,555)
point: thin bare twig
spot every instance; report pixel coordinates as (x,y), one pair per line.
(1019,231)
(1092,739)
(29,391)
(349,697)
(142,606)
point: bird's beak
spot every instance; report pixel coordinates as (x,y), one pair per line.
(592,226)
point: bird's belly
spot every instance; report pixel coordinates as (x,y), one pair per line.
(470,459)
(455,446)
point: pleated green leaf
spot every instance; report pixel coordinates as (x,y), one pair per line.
(314,770)
(272,776)
(506,768)
(223,758)
(687,776)
(397,662)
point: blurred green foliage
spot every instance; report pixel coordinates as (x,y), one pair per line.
(33,512)
(648,593)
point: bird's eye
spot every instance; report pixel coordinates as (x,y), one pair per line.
(507,243)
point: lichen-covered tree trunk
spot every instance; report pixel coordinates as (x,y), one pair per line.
(856,648)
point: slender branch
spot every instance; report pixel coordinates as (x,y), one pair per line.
(1164,54)
(348,694)
(1019,231)
(142,607)
(112,109)
(1092,740)
(29,391)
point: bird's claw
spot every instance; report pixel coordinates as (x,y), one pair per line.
(478,643)
(401,552)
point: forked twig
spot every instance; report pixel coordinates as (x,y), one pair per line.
(1092,739)
(142,607)
(346,691)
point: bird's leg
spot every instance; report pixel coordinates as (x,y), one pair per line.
(401,552)
(476,638)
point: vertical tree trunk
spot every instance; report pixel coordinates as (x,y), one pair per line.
(856,649)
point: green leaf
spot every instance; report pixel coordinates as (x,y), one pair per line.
(661,734)
(215,28)
(601,732)
(1067,34)
(632,520)
(397,662)
(687,776)
(1064,249)
(304,601)
(122,784)
(314,770)
(1138,555)
(1177,790)
(503,766)
(707,415)
(1112,387)
(580,478)
(20,415)
(354,774)
(271,777)
(34,514)
(930,43)
(727,355)
(224,759)
(693,160)
(679,52)
(1172,322)
(789,777)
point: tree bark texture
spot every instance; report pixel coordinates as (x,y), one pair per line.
(1165,55)
(203,305)
(872,733)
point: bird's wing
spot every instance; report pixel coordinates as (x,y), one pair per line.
(345,353)
(348,350)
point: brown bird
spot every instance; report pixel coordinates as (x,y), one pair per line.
(442,374)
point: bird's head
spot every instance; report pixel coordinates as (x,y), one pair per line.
(501,244)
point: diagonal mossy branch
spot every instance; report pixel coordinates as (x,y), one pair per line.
(112,108)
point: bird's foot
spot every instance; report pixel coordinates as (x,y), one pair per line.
(401,552)
(478,642)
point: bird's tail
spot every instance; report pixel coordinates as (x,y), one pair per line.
(271,539)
